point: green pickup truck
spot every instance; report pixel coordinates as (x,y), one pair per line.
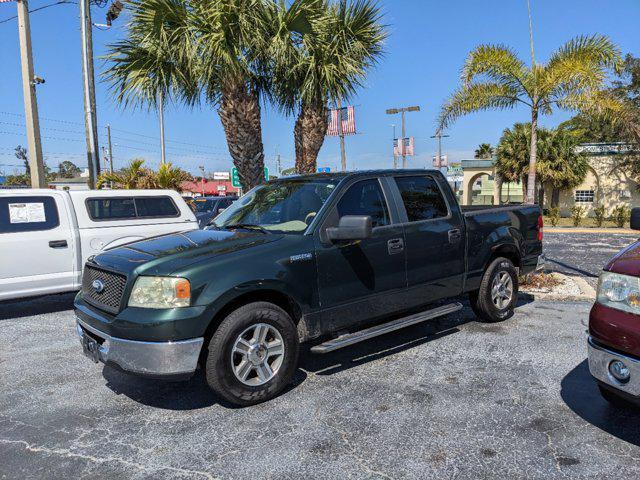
(330,258)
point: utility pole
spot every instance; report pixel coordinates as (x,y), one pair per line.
(343,155)
(29,82)
(278,166)
(110,149)
(202,183)
(402,110)
(90,120)
(439,136)
(163,158)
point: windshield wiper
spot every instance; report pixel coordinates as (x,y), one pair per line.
(248,226)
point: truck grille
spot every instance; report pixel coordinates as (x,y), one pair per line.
(102,288)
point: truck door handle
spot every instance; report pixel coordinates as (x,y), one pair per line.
(58,244)
(454,235)
(395,245)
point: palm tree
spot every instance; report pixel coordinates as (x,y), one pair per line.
(323,52)
(194,50)
(558,165)
(484,151)
(170,177)
(494,77)
(130,177)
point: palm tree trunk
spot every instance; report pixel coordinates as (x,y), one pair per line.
(555,197)
(240,115)
(531,183)
(308,134)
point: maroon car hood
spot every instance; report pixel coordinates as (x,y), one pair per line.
(627,261)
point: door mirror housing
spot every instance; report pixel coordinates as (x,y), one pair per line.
(635,218)
(351,227)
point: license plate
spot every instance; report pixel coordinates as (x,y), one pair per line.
(90,348)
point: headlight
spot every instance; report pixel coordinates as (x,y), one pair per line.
(621,292)
(160,292)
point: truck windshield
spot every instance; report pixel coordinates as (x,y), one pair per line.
(204,205)
(284,206)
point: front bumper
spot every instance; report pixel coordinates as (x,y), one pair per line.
(155,359)
(599,360)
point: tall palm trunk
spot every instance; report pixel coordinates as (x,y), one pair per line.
(240,115)
(531,183)
(308,133)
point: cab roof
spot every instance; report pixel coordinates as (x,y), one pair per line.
(360,173)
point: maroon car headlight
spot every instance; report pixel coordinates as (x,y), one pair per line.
(621,292)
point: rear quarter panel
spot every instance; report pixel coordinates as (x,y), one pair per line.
(491,231)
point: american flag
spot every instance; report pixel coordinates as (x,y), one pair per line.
(403,146)
(344,117)
(6,1)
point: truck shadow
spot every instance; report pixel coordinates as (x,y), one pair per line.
(579,392)
(28,307)
(194,394)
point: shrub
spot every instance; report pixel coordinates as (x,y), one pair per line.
(554,216)
(598,213)
(621,215)
(577,212)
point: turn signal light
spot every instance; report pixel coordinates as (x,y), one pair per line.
(183,289)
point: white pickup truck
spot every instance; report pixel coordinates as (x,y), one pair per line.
(46,236)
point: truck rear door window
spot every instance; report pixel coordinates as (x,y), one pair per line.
(28,214)
(422,198)
(124,208)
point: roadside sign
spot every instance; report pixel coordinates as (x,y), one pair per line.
(221,175)
(235,177)
(324,169)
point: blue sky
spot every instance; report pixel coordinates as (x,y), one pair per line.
(426,48)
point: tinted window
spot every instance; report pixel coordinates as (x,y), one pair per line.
(422,198)
(111,208)
(156,207)
(123,208)
(365,198)
(28,214)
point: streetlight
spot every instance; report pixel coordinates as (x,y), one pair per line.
(402,110)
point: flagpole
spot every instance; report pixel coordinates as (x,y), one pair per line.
(343,155)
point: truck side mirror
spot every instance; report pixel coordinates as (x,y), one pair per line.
(635,218)
(351,227)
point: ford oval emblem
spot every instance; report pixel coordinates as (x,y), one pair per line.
(98,286)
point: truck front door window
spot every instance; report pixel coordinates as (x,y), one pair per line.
(365,198)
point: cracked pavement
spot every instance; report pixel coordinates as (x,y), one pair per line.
(451,398)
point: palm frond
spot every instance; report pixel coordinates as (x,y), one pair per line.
(499,64)
(477,97)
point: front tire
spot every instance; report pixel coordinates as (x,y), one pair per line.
(496,298)
(253,354)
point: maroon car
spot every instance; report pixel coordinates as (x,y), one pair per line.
(614,326)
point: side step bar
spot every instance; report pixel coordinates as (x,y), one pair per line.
(351,338)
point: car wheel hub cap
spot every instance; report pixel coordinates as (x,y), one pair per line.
(257,354)
(502,290)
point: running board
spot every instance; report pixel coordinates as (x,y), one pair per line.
(351,338)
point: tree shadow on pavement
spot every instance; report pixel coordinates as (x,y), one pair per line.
(36,306)
(580,392)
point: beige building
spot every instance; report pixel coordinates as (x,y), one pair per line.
(605,184)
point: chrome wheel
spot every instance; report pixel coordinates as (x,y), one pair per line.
(502,290)
(257,354)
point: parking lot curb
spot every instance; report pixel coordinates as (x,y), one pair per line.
(619,231)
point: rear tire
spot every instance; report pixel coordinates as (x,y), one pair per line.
(496,298)
(253,354)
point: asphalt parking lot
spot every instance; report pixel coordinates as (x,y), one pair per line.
(453,398)
(583,254)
